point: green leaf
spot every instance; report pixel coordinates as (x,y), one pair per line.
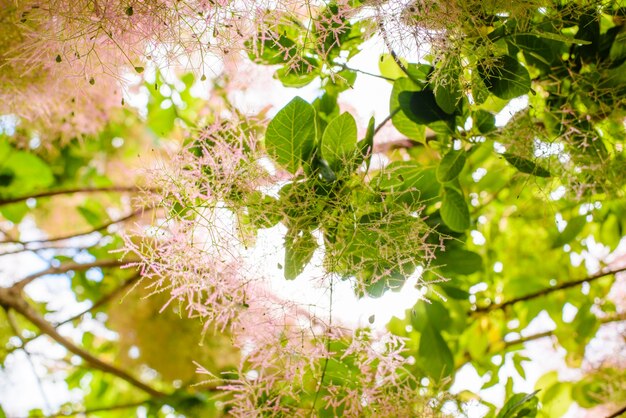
(388,67)
(400,119)
(423,108)
(23,173)
(339,141)
(409,183)
(448,96)
(458,261)
(290,136)
(454,210)
(299,249)
(526,166)
(484,121)
(504,77)
(435,356)
(571,231)
(517,363)
(561,38)
(367,144)
(450,166)
(94,212)
(298,74)
(618,47)
(519,406)
(270,51)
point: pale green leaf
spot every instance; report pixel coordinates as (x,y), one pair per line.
(450,166)
(290,136)
(339,141)
(454,210)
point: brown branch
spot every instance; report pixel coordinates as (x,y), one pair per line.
(387,119)
(618,413)
(49,193)
(11,298)
(100,302)
(547,291)
(94,410)
(538,336)
(77,234)
(64,268)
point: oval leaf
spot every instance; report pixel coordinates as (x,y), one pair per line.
(526,166)
(454,211)
(450,166)
(504,77)
(290,136)
(400,119)
(339,141)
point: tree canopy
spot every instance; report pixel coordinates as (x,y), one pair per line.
(174,243)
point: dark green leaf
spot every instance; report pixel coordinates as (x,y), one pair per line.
(448,96)
(484,121)
(401,119)
(423,108)
(504,77)
(526,166)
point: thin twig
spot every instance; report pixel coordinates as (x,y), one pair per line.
(387,119)
(618,413)
(94,410)
(77,234)
(544,292)
(49,193)
(72,266)
(356,70)
(538,336)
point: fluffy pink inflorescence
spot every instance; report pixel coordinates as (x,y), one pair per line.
(197,250)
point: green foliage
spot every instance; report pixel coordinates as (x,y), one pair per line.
(451,206)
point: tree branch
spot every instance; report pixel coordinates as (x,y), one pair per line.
(387,119)
(618,413)
(94,410)
(49,193)
(78,234)
(11,298)
(547,291)
(64,268)
(538,336)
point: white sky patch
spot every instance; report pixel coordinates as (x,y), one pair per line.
(479,174)
(558,193)
(478,238)
(514,106)
(546,149)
